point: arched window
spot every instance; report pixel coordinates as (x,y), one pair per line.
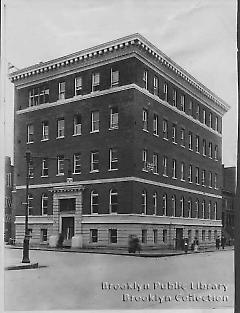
(173,205)
(215,210)
(155,203)
(44,205)
(144,202)
(30,204)
(113,201)
(203,209)
(197,209)
(165,204)
(190,208)
(94,202)
(209,209)
(182,206)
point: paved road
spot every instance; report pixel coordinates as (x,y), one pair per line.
(67,281)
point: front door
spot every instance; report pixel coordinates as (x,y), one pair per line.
(179,238)
(67,229)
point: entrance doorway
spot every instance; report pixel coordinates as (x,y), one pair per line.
(67,229)
(179,238)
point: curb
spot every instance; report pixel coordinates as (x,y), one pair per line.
(21,266)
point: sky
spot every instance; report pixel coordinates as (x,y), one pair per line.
(199,35)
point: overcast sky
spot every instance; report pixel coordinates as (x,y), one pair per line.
(199,35)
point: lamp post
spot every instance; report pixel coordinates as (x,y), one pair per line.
(26,236)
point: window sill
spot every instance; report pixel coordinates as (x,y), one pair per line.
(113,169)
(156,135)
(182,146)
(61,174)
(183,180)
(197,152)
(113,213)
(94,131)
(76,173)
(42,140)
(175,178)
(165,175)
(155,173)
(74,135)
(28,143)
(96,171)
(143,170)
(113,128)
(145,130)
(165,138)
(60,137)
(175,143)
(44,176)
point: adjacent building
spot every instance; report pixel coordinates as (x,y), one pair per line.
(123,141)
(9,214)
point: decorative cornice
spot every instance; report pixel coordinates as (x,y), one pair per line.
(122,43)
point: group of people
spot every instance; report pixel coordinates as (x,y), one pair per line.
(221,242)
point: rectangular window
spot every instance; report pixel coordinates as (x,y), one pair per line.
(183,103)
(182,171)
(197,111)
(197,144)
(31,169)
(30,133)
(190,142)
(113,235)
(174,169)
(44,167)
(38,96)
(210,179)
(155,236)
(77,163)
(190,174)
(114,118)
(165,91)
(144,159)
(145,120)
(174,97)
(43,235)
(182,137)
(93,235)
(204,117)
(203,177)
(95,82)
(165,235)
(174,134)
(60,128)
(95,161)
(155,85)
(203,235)
(155,163)
(145,79)
(209,235)
(197,176)
(190,108)
(78,86)
(144,235)
(61,90)
(210,150)
(204,147)
(216,152)
(216,123)
(155,124)
(114,78)
(45,130)
(210,120)
(77,125)
(30,205)
(165,164)
(215,181)
(95,121)
(165,129)
(60,165)
(113,159)
(9,179)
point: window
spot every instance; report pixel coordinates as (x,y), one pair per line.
(197,233)
(43,235)
(144,202)
(44,167)
(182,206)
(183,171)
(189,235)
(215,210)
(155,163)
(216,153)
(113,235)
(209,235)
(197,144)
(190,108)
(197,209)
(203,209)
(144,235)
(94,161)
(209,209)
(144,159)
(164,204)
(189,213)
(216,123)
(174,134)
(30,204)
(44,204)
(9,179)
(165,91)
(165,129)
(182,103)
(174,169)
(190,143)
(165,165)
(204,117)
(95,121)
(155,236)
(114,118)
(155,124)
(45,130)
(215,181)
(197,176)
(173,205)
(145,79)
(113,159)
(182,137)
(78,86)
(77,125)
(190,172)
(210,179)
(77,163)
(155,203)
(155,85)
(95,81)
(210,120)
(145,120)
(113,201)
(165,235)
(203,235)
(203,177)
(60,165)
(30,169)
(174,97)
(30,133)
(210,150)
(93,235)
(38,96)
(114,78)
(94,202)
(61,90)
(204,147)
(60,128)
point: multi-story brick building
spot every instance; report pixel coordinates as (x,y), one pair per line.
(9,214)
(142,137)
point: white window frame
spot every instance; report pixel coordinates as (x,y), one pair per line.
(182,135)
(60,128)
(95,81)
(164,204)
(210,180)
(216,123)
(30,169)
(77,127)
(182,207)
(174,169)
(182,101)
(203,209)
(197,178)
(155,163)
(209,209)
(78,85)
(44,167)
(197,111)
(210,120)
(216,152)
(113,161)
(189,204)
(215,181)
(94,194)
(145,120)
(77,163)
(204,147)
(190,142)
(203,177)
(174,97)
(215,210)
(45,130)
(114,117)
(182,171)
(30,133)
(174,133)
(61,90)
(145,79)
(165,166)
(197,208)
(144,159)
(155,125)
(94,162)
(113,193)
(95,121)
(197,144)
(155,203)
(44,207)
(60,165)
(173,205)
(190,173)
(165,91)
(144,202)
(190,107)
(210,150)
(155,85)
(165,129)
(204,117)
(114,80)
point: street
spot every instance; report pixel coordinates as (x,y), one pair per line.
(83,281)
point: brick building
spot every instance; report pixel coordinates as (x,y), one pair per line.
(9,214)
(228,195)
(141,136)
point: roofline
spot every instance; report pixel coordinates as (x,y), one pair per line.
(115,44)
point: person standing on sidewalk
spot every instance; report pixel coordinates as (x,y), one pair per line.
(217,243)
(223,242)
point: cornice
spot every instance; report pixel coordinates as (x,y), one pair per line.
(122,43)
